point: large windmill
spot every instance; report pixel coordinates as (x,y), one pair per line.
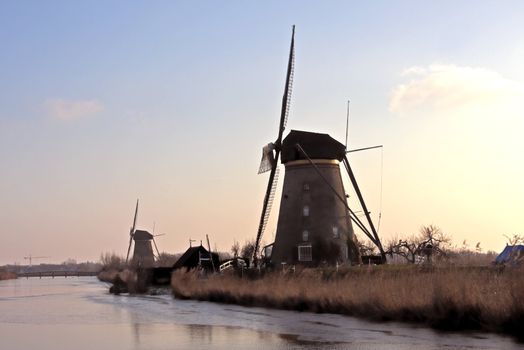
(315,222)
(143,255)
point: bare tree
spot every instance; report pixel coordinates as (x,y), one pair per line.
(235,249)
(247,249)
(431,241)
(515,239)
(405,248)
(433,235)
(166,259)
(111,261)
(366,248)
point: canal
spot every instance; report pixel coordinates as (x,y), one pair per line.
(79,313)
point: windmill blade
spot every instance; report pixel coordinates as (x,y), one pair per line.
(286,99)
(270,160)
(273,176)
(134,220)
(266,207)
(157,252)
(129,247)
(271,197)
(132,232)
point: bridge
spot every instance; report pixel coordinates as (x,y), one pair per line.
(54,274)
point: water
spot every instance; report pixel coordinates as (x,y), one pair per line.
(79,313)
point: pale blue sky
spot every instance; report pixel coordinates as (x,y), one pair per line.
(102,102)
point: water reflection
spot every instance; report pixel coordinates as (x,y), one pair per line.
(136,333)
(80,314)
(202,333)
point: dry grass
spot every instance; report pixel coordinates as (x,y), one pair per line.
(107,275)
(444,298)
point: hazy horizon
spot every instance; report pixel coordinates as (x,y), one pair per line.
(171,102)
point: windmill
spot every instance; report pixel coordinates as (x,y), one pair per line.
(143,255)
(315,223)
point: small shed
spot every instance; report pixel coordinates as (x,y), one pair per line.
(511,255)
(197,257)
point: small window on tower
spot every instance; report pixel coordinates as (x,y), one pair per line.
(305,253)
(306,187)
(305,210)
(336,234)
(305,235)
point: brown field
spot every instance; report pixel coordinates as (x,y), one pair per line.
(7,275)
(447,298)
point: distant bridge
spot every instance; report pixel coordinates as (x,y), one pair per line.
(54,274)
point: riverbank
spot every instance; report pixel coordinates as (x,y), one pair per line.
(141,281)
(4,275)
(123,281)
(108,276)
(455,299)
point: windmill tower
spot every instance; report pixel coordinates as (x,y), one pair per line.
(143,255)
(315,222)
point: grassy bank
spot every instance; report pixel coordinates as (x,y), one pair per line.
(4,275)
(127,281)
(443,298)
(107,275)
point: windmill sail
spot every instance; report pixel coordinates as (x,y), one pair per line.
(286,102)
(268,158)
(272,183)
(270,200)
(132,232)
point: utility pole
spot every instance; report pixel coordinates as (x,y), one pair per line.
(30,258)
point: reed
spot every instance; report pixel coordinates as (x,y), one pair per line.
(448,298)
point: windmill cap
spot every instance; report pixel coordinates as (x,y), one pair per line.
(316,145)
(141,235)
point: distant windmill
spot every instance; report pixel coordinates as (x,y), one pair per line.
(143,255)
(30,258)
(315,221)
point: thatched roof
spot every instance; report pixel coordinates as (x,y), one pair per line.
(141,235)
(316,145)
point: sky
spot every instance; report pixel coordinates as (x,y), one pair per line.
(104,102)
